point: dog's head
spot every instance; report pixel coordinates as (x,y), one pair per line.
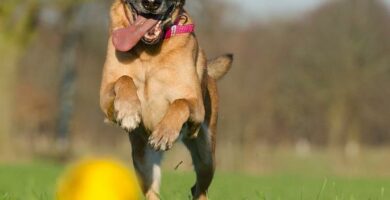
(156,8)
(159,11)
(148,24)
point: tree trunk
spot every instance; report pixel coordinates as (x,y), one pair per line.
(337,118)
(7,82)
(68,76)
(12,39)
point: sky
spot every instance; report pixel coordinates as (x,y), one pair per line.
(274,8)
(265,9)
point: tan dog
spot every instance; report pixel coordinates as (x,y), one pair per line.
(161,89)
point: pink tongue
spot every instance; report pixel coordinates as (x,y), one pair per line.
(125,39)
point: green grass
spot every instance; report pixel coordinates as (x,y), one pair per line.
(28,182)
(37,182)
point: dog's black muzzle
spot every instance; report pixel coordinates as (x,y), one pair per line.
(151,5)
(161,10)
(154,8)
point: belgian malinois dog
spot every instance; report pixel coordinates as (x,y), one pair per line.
(159,86)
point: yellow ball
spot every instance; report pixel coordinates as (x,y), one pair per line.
(98,179)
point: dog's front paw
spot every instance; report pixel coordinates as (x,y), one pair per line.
(127,114)
(163,137)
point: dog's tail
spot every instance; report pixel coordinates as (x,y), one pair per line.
(219,66)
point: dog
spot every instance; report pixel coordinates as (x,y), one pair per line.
(158,86)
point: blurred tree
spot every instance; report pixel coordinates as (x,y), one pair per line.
(321,78)
(73,26)
(338,60)
(17,23)
(18,20)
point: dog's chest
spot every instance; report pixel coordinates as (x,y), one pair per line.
(152,92)
(159,83)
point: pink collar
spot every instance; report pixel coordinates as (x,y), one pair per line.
(179,29)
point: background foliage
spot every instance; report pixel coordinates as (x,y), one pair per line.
(317,82)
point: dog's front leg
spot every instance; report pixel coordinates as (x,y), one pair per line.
(168,130)
(120,103)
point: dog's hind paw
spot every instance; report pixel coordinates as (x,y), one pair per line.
(128,115)
(163,138)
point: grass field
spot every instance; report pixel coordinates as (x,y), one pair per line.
(37,182)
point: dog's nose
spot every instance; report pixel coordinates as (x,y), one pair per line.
(151,5)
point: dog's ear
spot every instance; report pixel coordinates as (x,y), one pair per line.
(218,67)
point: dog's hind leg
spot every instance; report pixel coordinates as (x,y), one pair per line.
(202,153)
(147,164)
(202,148)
